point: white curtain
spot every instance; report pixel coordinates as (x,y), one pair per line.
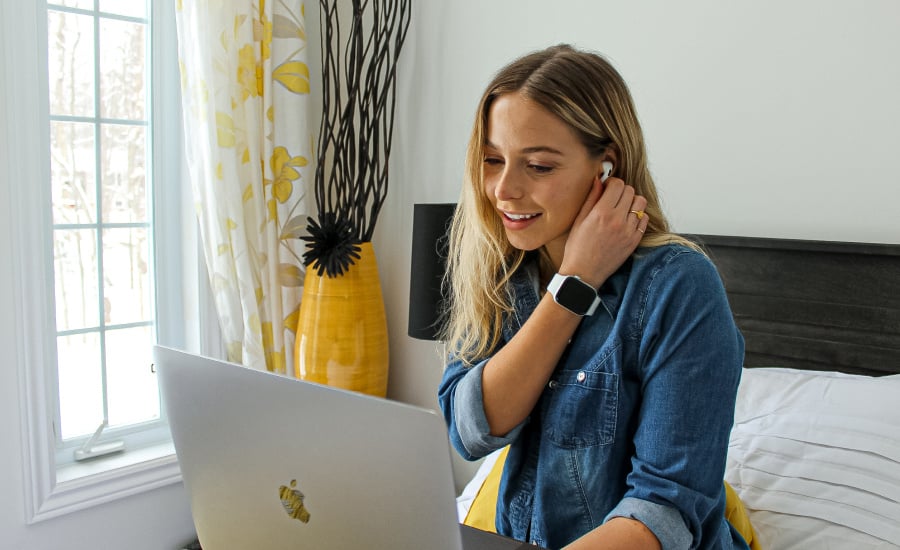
(245,87)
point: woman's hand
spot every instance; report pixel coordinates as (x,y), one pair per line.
(606,231)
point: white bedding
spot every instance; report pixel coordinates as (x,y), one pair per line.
(815,457)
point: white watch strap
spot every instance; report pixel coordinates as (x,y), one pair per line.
(557,281)
(594,305)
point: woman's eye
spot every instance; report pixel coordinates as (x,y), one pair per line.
(540,168)
(493,161)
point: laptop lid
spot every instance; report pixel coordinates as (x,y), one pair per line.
(274,462)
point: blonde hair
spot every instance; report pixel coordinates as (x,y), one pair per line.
(588,94)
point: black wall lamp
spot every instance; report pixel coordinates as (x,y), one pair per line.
(431,227)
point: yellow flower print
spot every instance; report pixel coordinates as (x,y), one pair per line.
(272,207)
(268,337)
(266,45)
(284,169)
(290,322)
(249,73)
(293,75)
(276,362)
(225,130)
(262,32)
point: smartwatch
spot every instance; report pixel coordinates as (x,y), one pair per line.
(572,293)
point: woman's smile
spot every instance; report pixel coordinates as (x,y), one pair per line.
(516,222)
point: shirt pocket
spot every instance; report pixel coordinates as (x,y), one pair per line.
(583,408)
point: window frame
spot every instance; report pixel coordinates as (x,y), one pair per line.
(185,311)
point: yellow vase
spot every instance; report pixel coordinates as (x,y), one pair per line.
(342,336)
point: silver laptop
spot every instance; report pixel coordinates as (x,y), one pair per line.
(273,462)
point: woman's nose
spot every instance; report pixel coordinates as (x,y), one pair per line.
(507,185)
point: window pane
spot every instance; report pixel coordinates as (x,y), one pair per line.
(122,70)
(132,8)
(124,157)
(126,294)
(72,175)
(80,384)
(132,390)
(75,265)
(70,63)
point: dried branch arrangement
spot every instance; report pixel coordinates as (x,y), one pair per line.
(359,68)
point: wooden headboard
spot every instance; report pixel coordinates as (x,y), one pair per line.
(813,305)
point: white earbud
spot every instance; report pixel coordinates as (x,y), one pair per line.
(607,168)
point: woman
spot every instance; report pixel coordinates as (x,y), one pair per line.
(585,335)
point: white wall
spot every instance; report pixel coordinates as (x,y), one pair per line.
(764,118)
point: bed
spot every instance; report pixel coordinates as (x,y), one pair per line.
(815,448)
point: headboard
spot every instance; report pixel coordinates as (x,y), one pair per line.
(814,305)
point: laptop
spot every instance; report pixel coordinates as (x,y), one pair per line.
(274,462)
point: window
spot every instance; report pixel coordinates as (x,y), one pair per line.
(101,206)
(105,254)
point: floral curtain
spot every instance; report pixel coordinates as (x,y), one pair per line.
(245,88)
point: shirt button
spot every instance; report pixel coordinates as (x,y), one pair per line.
(581,376)
(553,384)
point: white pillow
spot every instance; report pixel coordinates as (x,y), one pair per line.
(815,456)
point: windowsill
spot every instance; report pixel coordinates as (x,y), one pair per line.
(107,464)
(87,484)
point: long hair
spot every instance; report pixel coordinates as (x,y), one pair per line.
(587,93)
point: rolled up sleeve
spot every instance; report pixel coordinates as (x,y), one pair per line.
(664,521)
(462,404)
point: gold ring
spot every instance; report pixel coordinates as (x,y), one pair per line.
(638,213)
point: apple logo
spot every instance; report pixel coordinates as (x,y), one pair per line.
(292,501)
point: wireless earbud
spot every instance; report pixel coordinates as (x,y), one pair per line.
(607,168)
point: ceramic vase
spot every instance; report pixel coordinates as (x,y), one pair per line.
(342,338)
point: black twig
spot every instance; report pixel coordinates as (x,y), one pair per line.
(359,101)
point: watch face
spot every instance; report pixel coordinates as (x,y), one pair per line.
(576,295)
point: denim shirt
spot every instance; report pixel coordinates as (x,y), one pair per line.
(635,419)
